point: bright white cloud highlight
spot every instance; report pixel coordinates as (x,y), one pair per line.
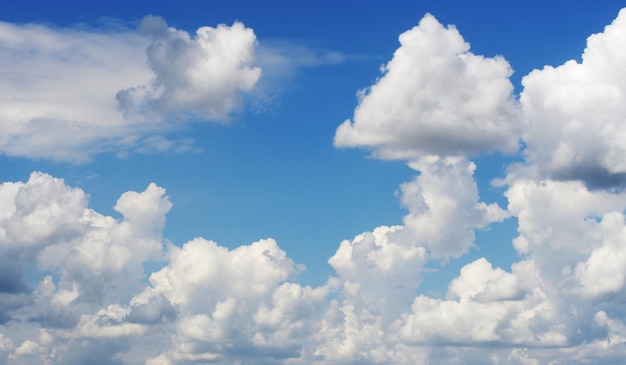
(435,97)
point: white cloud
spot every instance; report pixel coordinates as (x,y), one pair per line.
(28,347)
(195,78)
(383,268)
(480,282)
(236,301)
(380,270)
(49,107)
(561,223)
(444,206)
(47,226)
(68,94)
(575,112)
(201,273)
(5,343)
(109,322)
(604,271)
(227,305)
(435,97)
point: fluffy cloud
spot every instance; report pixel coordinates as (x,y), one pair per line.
(200,77)
(236,303)
(435,97)
(381,270)
(207,302)
(444,206)
(575,113)
(561,223)
(564,294)
(92,262)
(35,214)
(49,107)
(47,225)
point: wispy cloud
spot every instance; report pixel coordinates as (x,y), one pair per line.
(68,94)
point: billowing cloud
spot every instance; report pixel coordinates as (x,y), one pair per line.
(574,235)
(194,78)
(48,225)
(435,97)
(575,113)
(236,304)
(68,94)
(58,94)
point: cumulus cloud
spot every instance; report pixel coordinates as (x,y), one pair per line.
(198,77)
(570,235)
(383,267)
(575,113)
(211,303)
(575,239)
(435,97)
(207,302)
(147,82)
(236,303)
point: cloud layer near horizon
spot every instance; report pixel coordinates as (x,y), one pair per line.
(73,285)
(207,302)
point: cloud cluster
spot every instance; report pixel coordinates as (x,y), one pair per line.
(74,289)
(560,301)
(69,94)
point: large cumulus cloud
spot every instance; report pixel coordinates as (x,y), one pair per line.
(435,97)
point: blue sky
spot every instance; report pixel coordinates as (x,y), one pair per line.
(312,182)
